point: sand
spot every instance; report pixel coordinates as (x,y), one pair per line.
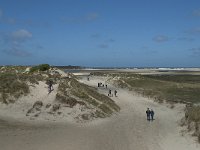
(127,130)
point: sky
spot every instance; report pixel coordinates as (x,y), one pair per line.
(100,33)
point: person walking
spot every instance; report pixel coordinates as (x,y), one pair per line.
(109,93)
(50,87)
(152,114)
(115,93)
(148,114)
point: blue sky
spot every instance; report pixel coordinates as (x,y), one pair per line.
(101,33)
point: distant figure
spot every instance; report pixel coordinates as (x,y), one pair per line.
(98,84)
(106,86)
(152,114)
(88,78)
(109,93)
(148,114)
(115,93)
(50,87)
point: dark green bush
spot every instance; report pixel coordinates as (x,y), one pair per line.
(42,67)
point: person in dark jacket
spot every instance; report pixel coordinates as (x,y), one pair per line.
(148,113)
(152,114)
(115,93)
(109,92)
(50,86)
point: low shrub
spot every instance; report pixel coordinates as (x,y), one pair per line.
(42,67)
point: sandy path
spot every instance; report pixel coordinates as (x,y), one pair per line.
(128,130)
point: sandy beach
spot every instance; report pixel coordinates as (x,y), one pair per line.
(126,130)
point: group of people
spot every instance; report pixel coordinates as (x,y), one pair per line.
(150,114)
(110,93)
(101,85)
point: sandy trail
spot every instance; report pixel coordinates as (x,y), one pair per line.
(128,130)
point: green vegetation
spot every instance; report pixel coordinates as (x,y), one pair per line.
(172,88)
(42,67)
(177,78)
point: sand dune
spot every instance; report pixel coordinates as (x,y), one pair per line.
(127,130)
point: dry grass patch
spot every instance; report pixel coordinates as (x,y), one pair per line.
(14,82)
(11,87)
(78,92)
(92,92)
(192,117)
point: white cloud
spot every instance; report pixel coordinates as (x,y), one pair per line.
(21,35)
(161,38)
